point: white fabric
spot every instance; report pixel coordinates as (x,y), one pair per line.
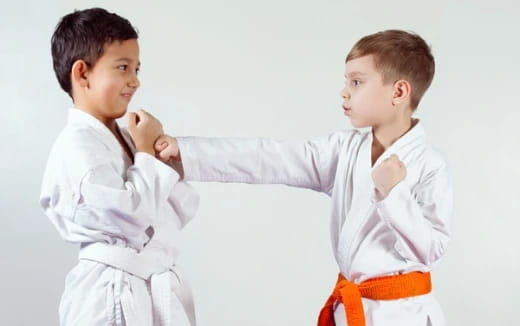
(93,193)
(407,231)
(147,265)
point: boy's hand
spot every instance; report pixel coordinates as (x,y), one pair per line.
(388,174)
(167,148)
(144,129)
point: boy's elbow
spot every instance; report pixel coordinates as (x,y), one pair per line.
(438,249)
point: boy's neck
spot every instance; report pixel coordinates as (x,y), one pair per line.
(387,134)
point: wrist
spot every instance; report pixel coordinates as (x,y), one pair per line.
(382,193)
(146,149)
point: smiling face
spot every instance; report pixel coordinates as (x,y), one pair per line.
(367,100)
(106,89)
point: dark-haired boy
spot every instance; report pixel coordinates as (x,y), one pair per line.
(104,189)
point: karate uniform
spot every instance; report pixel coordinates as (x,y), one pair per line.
(127,218)
(407,231)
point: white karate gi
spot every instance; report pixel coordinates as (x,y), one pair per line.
(407,231)
(127,218)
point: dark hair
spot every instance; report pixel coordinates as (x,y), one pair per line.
(82,35)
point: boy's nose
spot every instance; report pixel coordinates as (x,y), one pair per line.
(134,82)
(344,93)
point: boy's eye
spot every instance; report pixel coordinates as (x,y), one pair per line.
(356,82)
(122,67)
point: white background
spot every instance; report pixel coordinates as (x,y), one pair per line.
(261,255)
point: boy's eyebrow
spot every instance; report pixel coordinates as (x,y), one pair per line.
(128,60)
(354,74)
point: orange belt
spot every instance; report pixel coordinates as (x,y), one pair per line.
(379,288)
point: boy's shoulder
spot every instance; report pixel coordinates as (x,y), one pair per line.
(80,148)
(431,154)
(417,145)
(427,163)
(435,155)
(81,140)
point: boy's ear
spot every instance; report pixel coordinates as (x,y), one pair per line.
(402,92)
(79,73)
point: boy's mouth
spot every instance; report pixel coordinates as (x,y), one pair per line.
(346,110)
(127,96)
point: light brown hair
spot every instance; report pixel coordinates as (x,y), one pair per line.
(399,55)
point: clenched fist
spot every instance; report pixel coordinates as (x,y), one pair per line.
(388,174)
(144,129)
(167,148)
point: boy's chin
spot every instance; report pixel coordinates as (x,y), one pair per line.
(359,124)
(120,113)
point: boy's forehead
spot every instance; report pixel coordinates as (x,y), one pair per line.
(128,50)
(360,66)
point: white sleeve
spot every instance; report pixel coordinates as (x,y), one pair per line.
(421,222)
(125,203)
(304,164)
(184,200)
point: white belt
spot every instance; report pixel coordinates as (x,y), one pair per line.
(147,265)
